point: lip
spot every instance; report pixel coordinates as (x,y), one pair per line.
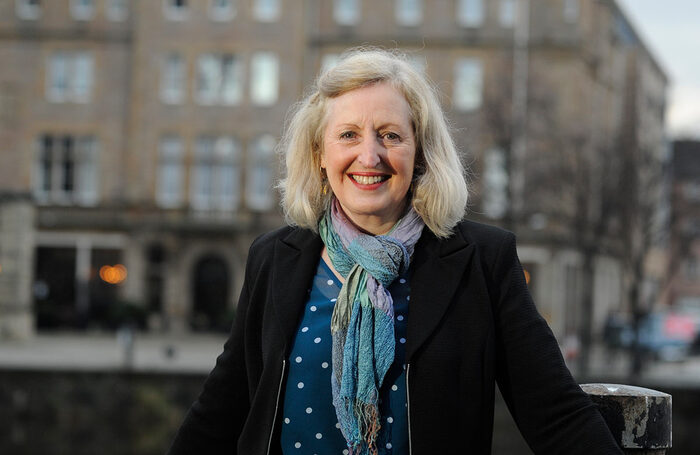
(368,186)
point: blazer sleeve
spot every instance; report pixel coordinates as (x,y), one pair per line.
(214,422)
(552,412)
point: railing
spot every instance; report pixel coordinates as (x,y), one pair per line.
(639,418)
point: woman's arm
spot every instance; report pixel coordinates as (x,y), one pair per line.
(552,412)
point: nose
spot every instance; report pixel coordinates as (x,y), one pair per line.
(369,155)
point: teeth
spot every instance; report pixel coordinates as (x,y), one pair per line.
(367,179)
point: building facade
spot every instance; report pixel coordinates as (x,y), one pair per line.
(684,266)
(138,139)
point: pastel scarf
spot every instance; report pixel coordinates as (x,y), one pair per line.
(362,324)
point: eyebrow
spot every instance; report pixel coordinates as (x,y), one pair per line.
(382,126)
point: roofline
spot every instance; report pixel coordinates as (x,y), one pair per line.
(638,38)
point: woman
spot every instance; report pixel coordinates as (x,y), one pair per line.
(378,322)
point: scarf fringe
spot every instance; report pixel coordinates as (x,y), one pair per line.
(368,419)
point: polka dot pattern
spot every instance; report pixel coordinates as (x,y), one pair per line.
(310,423)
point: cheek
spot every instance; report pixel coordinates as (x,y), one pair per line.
(335,162)
(407,166)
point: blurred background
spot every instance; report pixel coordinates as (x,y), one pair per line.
(137,164)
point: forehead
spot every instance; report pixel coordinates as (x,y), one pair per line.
(376,102)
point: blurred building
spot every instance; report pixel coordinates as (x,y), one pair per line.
(684,274)
(138,139)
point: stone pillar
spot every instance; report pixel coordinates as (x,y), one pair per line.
(639,419)
(17,233)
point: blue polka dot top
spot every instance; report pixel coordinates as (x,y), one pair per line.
(309,423)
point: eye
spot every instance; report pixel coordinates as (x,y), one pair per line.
(389,136)
(347,135)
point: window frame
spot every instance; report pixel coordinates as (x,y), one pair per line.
(459,102)
(495,180)
(82,12)
(405,19)
(73,170)
(175,13)
(258,64)
(507,13)
(463,17)
(260,156)
(171,153)
(218,14)
(26,11)
(216,165)
(117,13)
(347,12)
(173,87)
(267,14)
(571,11)
(228,79)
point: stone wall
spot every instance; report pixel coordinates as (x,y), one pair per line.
(17,215)
(138,414)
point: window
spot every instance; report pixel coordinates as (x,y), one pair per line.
(571,10)
(175,10)
(117,10)
(82,10)
(468,84)
(495,191)
(692,269)
(470,13)
(69,78)
(170,172)
(507,13)
(172,79)
(418,63)
(259,173)
(264,79)
(28,9)
(215,175)
(266,10)
(329,61)
(346,12)
(66,170)
(219,79)
(691,191)
(221,10)
(572,293)
(408,12)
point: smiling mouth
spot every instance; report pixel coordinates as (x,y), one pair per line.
(369,179)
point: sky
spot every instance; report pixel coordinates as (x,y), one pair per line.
(671,30)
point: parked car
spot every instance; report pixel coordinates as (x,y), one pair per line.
(667,336)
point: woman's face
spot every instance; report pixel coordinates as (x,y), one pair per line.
(369,152)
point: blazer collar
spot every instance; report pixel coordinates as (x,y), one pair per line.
(295,261)
(437,268)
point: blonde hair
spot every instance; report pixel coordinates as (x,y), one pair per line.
(440,190)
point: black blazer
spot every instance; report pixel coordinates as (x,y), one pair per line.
(471,323)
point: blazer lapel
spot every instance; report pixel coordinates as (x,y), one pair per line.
(438,267)
(294,264)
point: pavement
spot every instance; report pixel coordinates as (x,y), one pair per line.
(196,354)
(614,367)
(188,353)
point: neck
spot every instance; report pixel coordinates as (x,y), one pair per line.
(376,224)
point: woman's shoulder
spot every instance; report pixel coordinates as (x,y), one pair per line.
(483,235)
(291,235)
(269,238)
(493,244)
